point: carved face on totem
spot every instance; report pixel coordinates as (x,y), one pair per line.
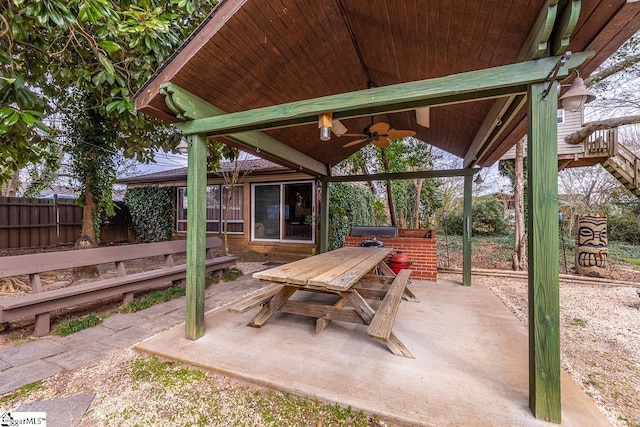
(591,248)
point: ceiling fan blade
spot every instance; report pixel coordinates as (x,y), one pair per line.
(381,142)
(356,142)
(397,134)
(380,127)
(355,134)
(338,128)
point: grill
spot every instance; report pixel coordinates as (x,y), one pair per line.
(374,231)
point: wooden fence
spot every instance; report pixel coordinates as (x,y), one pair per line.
(37,223)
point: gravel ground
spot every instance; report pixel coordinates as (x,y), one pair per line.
(599,341)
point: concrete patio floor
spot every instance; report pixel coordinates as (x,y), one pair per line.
(471,365)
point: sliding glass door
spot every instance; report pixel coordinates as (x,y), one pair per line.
(283,212)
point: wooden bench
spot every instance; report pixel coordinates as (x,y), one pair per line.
(255,299)
(41,303)
(380,328)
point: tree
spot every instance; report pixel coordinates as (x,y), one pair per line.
(411,203)
(232,178)
(61,54)
(519,259)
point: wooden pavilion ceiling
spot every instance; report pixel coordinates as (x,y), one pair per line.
(252,54)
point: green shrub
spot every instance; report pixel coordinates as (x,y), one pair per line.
(69,326)
(146,301)
(350,205)
(151,210)
(624,228)
(232,274)
(487,218)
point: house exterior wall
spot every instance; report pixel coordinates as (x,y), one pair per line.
(572,122)
(240,244)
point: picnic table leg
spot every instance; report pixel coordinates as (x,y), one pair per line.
(270,306)
(385,270)
(362,307)
(396,346)
(323,322)
(409,296)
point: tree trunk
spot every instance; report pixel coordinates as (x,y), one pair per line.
(87,238)
(12,188)
(519,250)
(579,136)
(417,184)
(390,201)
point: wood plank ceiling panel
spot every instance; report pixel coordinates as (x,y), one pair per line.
(257,54)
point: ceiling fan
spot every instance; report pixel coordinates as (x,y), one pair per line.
(378,134)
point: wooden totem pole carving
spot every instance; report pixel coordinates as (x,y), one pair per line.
(591,244)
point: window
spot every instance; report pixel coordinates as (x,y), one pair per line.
(216,208)
(560,116)
(283,211)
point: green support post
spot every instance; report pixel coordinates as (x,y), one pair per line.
(466,233)
(324,218)
(196,235)
(544,287)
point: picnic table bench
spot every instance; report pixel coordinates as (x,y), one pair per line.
(355,275)
(41,303)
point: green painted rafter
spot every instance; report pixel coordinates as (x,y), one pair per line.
(481,84)
(537,43)
(566,24)
(187,106)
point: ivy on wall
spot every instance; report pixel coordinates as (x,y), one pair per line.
(152,213)
(350,205)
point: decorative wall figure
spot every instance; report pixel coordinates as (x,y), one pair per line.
(591,244)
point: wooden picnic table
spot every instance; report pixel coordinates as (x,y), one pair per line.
(354,274)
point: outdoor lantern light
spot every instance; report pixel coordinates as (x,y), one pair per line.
(577,96)
(183,147)
(478,180)
(324,123)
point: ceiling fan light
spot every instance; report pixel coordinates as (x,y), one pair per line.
(324,123)
(423,116)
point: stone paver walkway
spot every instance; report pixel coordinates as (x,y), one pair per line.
(45,357)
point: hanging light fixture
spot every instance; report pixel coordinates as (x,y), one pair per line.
(577,96)
(324,123)
(183,147)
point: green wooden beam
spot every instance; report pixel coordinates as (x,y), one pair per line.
(402,175)
(567,22)
(496,119)
(196,235)
(466,231)
(544,300)
(324,217)
(537,43)
(474,85)
(188,106)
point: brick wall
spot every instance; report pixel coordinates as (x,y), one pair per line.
(421,252)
